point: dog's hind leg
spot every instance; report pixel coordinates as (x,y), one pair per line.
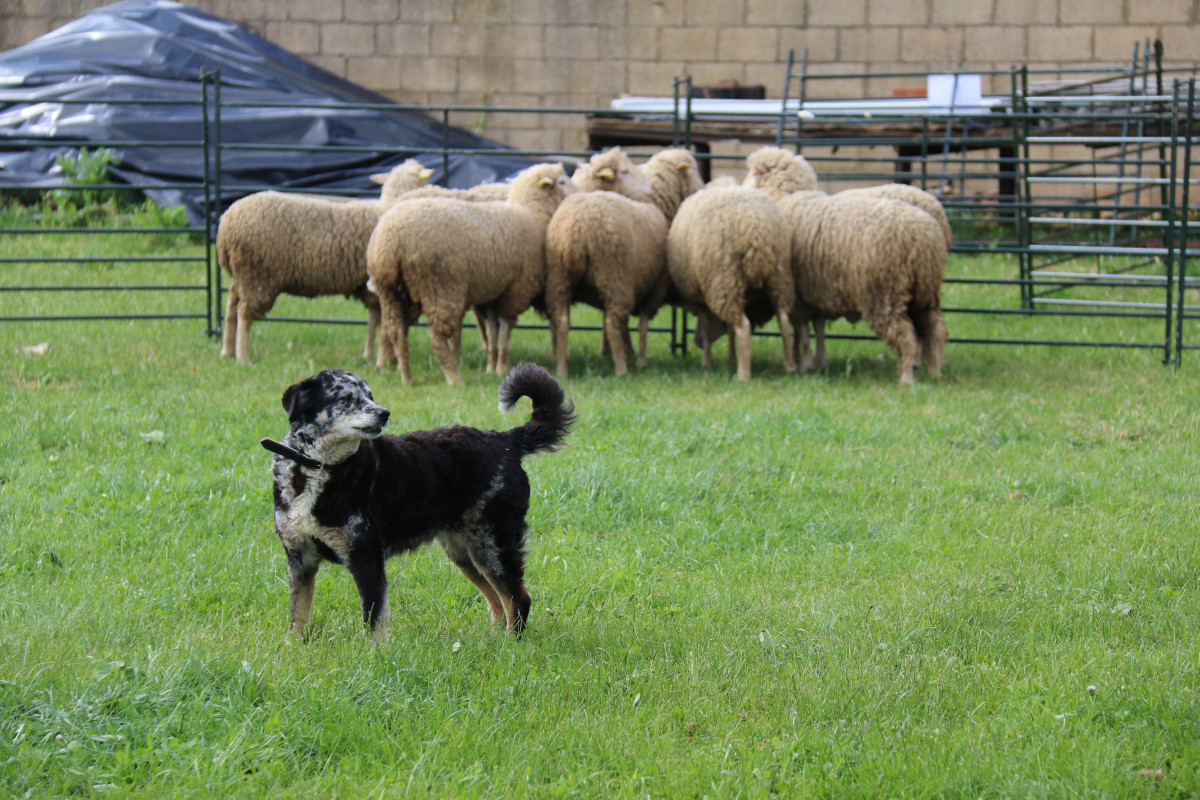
(504,568)
(302,577)
(456,551)
(369,576)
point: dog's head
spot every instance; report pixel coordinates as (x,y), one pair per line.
(332,411)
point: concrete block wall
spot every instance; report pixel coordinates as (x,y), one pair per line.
(582,53)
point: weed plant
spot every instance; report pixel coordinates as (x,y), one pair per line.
(796,586)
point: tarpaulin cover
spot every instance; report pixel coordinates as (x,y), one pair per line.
(123,57)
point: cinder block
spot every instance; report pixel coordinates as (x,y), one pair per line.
(878,45)
(653,78)
(1179,41)
(347,39)
(598,79)
(374,72)
(572,41)
(426,11)
(658,14)
(748,45)
(714,12)
(687,44)
(455,39)
(409,39)
(1026,12)
(838,13)
(314,10)
(1068,44)
(486,12)
(899,12)
(541,77)
(372,10)
(995,44)
(1115,43)
(1091,12)
(1163,12)
(775,12)
(941,48)
(301,38)
(485,74)
(961,12)
(433,74)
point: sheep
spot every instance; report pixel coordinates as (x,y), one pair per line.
(446,254)
(926,201)
(610,251)
(780,172)
(727,257)
(613,171)
(870,258)
(272,243)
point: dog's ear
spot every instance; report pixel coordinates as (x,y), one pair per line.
(298,398)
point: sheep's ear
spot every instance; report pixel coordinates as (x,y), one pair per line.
(684,167)
(298,398)
(760,169)
(425,174)
(379,178)
(606,174)
(545,182)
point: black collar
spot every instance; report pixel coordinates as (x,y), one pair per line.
(280,449)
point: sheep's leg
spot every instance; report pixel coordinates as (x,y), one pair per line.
(505,332)
(891,323)
(481,326)
(372,324)
(704,333)
(441,332)
(741,331)
(246,316)
(491,326)
(931,330)
(229,340)
(616,331)
(643,334)
(785,330)
(391,321)
(399,341)
(819,335)
(560,326)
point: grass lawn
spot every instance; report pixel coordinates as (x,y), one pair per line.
(798,586)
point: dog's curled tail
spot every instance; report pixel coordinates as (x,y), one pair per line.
(553,414)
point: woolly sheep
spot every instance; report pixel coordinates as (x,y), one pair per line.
(613,171)
(870,258)
(779,172)
(610,251)
(920,198)
(727,256)
(446,254)
(273,243)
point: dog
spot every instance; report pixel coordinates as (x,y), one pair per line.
(348,493)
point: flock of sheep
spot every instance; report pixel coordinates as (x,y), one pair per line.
(623,238)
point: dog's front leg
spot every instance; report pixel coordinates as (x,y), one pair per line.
(302,577)
(371,580)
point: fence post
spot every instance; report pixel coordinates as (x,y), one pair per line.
(1185,204)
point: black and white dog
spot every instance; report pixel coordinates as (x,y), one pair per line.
(344,492)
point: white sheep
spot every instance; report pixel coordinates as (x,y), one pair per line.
(727,256)
(445,255)
(610,251)
(871,258)
(273,243)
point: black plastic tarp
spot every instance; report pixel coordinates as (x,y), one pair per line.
(123,59)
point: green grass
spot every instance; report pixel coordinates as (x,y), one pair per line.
(799,586)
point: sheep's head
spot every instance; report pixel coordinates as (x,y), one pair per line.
(779,172)
(541,186)
(412,174)
(613,171)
